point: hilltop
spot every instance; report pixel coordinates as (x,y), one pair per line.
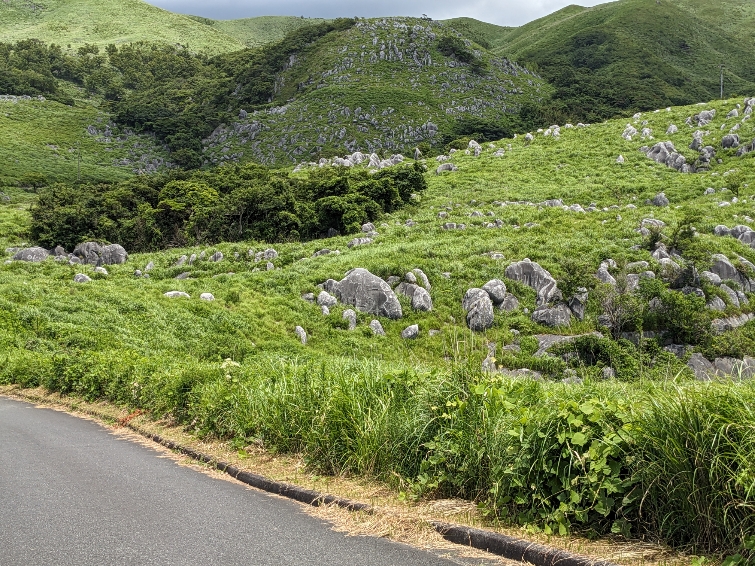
(75,23)
(634,54)
(254,32)
(382,85)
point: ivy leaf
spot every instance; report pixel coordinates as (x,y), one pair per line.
(579,439)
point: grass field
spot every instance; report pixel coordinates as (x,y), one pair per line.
(420,413)
(44,138)
(77,22)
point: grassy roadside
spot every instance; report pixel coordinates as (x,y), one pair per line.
(395,517)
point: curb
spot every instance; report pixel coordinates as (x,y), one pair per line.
(488,541)
(513,548)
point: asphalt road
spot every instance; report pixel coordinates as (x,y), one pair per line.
(71,493)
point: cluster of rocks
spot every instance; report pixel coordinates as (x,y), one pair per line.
(91,253)
(370,294)
(268,255)
(479,304)
(23,98)
(743,233)
(183,295)
(4,197)
(372,161)
(721,368)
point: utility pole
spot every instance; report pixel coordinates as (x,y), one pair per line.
(722,81)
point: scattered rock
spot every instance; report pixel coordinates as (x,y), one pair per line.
(34,255)
(207,297)
(479,309)
(302,334)
(351,317)
(377,328)
(496,290)
(177,295)
(660,200)
(534,276)
(359,242)
(216,257)
(560,315)
(325,299)
(81,278)
(410,332)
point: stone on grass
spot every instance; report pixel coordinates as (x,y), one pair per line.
(100,270)
(560,315)
(660,200)
(325,299)
(377,328)
(496,290)
(216,257)
(114,254)
(509,304)
(423,280)
(302,334)
(479,309)
(207,297)
(184,275)
(177,295)
(701,367)
(534,276)
(350,316)
(33,255)
(410,332)
(81,278)
(368,293)
(359,242)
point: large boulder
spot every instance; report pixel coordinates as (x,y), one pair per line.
(88,252)
(727,272)
(496,290)
(34,255)
(420,298)
(479,309)
(560,315)
(730,141)
(368,293)
(114,254)
(534,276)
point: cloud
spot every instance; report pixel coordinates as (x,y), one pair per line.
(501,12)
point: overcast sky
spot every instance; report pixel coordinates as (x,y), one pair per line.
(501,12)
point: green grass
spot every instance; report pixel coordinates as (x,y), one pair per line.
(78,22)
(44,137)
(253,32)
(419,413)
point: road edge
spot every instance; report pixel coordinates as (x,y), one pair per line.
(506,546)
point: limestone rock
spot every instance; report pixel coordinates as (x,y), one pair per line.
(377,328)
(368,293)
(350,316)
(701,367)
(81,278)
(177,295)
(560,315)
(207,297)
(496,290)
(479,309)
(534,276)
(325,299)
(302,334)
(410,332)
(33,255)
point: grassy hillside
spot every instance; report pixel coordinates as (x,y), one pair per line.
(43,138)
(253,32)
(101,22)
(384,85)
(636,54)
(419,412)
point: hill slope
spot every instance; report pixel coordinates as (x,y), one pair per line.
(384,84)
(637,54)
(253,32)
(101,22)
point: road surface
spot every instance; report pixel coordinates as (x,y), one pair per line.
(71,493)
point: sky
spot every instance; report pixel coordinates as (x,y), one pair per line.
(501,12)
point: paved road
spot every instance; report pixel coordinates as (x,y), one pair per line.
(73,494)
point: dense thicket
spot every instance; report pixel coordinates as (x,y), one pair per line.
(230,203)
(30,67)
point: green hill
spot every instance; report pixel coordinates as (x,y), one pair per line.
(636,54)
(383,85)
(102,22)
(253,32)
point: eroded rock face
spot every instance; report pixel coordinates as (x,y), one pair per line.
(367,293)
(479,309)
(496,290)
(560,315)
(94,253)
(534,276)
(33,255)
(114,254)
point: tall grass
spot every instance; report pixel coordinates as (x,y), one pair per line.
(669,461)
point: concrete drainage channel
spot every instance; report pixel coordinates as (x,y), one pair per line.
(488,541)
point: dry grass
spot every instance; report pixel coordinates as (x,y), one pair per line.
(392,518)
